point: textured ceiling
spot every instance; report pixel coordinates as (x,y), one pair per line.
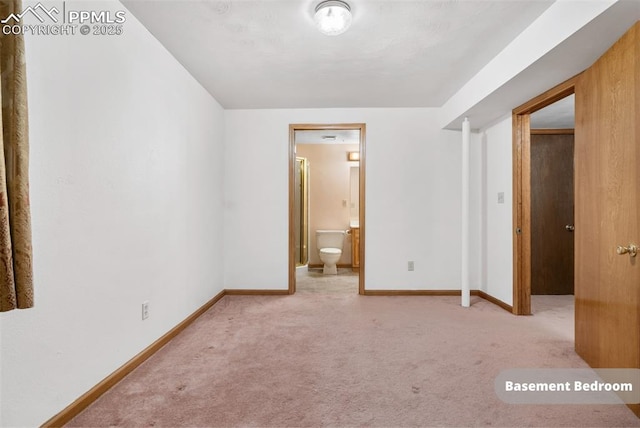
(397,53)
(559,115)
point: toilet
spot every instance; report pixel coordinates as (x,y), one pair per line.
(329,244)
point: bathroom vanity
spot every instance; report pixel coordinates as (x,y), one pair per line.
(355,248)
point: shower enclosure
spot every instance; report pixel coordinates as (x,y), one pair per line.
(301,200)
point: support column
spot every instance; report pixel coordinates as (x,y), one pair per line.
(466,292)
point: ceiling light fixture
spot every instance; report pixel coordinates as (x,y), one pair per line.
(333,17)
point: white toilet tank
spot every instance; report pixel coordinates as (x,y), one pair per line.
(329,239)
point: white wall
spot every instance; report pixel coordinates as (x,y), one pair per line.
(412,200)
(126,192)
(494,170)
(1,424)
(476,211)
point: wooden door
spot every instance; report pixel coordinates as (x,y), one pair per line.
(551,213)
(607,152)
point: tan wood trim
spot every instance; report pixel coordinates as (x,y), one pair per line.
(103,386)
(292,155)
(517,212)
(549,97)
(292,241)
(256,292)
(414,292)
(541,131)
(417,293)
(522,191)
(323,126)
(521,241)
(478,293)
(524,291)
(493,300)
(362,208)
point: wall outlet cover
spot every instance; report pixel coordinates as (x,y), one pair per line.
(145,310)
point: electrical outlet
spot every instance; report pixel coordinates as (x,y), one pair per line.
(410,266)
(145,310)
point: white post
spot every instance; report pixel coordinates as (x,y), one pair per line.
(466,292)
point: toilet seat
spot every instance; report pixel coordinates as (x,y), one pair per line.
(330,251)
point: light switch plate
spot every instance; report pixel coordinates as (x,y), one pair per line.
(501,197)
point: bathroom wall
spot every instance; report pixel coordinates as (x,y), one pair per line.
(354,208)
(329,192)
(413,191)
(126,194)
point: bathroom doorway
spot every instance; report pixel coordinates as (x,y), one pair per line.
(338,180)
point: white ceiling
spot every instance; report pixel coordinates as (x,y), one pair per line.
(397,53)
(559,115)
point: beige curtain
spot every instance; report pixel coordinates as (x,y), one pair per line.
(16,273)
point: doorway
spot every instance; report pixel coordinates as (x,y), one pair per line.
(552,215)
(523,169)
(303,139)
(552,198)
(607,303)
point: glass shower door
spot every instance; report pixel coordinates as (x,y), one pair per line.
(302,211)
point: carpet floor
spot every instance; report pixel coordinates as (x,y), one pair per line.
(339,359)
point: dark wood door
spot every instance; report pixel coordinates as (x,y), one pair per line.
(607,152)
(551,213)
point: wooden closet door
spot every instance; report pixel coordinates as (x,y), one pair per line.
(607,201)
(552,223)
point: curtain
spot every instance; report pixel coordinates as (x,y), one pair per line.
(16,271)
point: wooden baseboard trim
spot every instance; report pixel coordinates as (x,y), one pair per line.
(412,292)
(248,292)
(495,301)
(94,393)
(478,293)
(552,131)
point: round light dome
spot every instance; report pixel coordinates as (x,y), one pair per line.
(333,17)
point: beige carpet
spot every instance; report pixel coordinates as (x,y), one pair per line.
(339,359)
(556,313)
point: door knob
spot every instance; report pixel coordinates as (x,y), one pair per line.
(632,250)
(570,227)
